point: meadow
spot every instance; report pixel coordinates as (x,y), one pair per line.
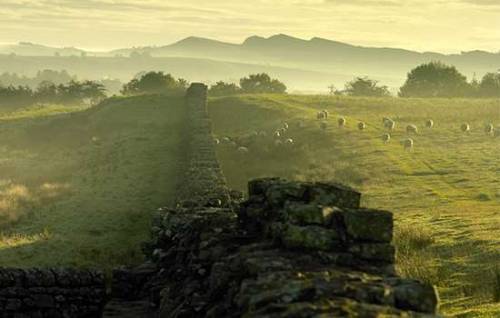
(445,193)
(78,186)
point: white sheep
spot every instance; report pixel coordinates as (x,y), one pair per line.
(216,141)
(408,144)
(226,140)
(412,129)
(289,142)
(389,124)
(361,126)
(285,125)
(465,128)
(277,134)
(242,150)
(282,131)
(489,129)
(342,121)
(429,123)
(386,138)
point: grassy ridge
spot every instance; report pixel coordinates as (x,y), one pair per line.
(77,187)
(445,192)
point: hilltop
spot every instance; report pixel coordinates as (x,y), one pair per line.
(330,61)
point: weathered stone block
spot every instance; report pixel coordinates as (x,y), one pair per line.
(333,194)
(306,214)
(309,238)
(373,251)
(368,224)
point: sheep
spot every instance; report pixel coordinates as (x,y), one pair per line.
(386,138)
(242,150)
(489,129)
(277,134)
(216,141)
(323,125)
(408,144)
(465,128)
(285,125)
(411,129)
(282,131)
(429,123)
(320,115)
(390,124)
(326,113)
(289,142)
(342,121)
(226,140)
(361,126)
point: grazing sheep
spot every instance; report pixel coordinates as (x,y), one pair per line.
(361,126)
(429,123)
(390,124)
(323,125)
(226,140)
(289,142)
(342,121)
(408,144)
(411,129)
(216,141)
(277,134)
(320,115)
(489,129)
(282,131)
(242,150)
(285,126)
(465,128)
(386,138)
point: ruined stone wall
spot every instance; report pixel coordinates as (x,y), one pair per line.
(291,249)
(51,293)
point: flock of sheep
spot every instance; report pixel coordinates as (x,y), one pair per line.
(390,125)
(280,139)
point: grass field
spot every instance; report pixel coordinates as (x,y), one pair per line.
(78,186)
(445,193)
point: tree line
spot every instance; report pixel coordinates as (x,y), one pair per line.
(428,80)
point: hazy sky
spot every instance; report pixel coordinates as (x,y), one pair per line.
(439,25)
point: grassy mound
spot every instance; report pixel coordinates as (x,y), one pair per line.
(78,186)
(445,192)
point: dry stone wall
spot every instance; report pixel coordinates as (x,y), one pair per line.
(51,293)
(292,249)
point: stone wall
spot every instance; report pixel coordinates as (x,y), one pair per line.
(292,249)
(51,293)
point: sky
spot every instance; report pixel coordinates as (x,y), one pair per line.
(447,26)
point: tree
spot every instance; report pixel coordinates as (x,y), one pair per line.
(435,79)
(363,86)
(221,88)
(155,83)
(262,83)
(490,85)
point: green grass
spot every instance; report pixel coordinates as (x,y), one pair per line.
(445,193)
(78,186)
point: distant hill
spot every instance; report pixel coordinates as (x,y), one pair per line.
(326,58)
